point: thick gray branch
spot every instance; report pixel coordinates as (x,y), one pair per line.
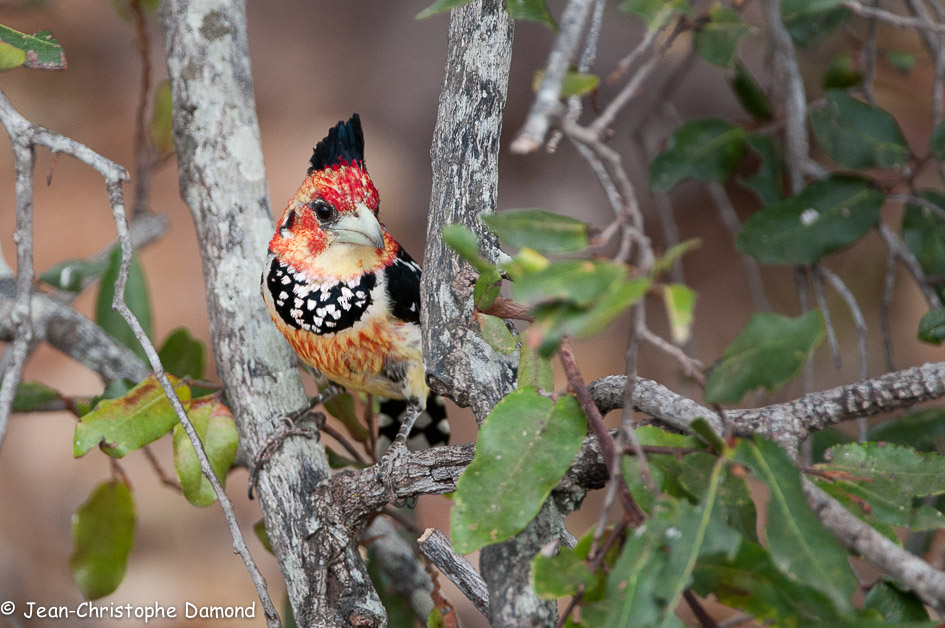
(460,571)
(399,561)
(73,334)
(913,573)
(222,179)
(465,156)
(790,422)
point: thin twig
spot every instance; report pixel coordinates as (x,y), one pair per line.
(24,135)
(858,320)
(818,287)
(795,100)
(547,101)
(898,248)
(889,287)
(158,470)
(915,199)
(145,154)
(596,423)
(919,24)
(756,286)
(24,157)
(116,198)
(869,59)
(691,367)
(630,90)
(861,332)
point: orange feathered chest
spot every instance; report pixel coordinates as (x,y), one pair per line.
(344,329)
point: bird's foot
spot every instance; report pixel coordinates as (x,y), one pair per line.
(290,425)
(397,450)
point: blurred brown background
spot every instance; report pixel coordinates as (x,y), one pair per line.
(315,62)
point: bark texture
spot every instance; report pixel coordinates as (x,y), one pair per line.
(222,179)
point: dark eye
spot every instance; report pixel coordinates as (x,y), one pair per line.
(323,211)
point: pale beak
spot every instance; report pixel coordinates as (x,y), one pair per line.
(360,228)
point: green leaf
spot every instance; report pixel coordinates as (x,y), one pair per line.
(526,261)
(524,448)
(716,41)
(932,327)
(31,396)
(692,531)
(136,297)
(399,613)
(875,510)
(342,408)
(750,95)
(535,370)
(11,56)
(704,432)
(630,594)
(124,11)
(655,13)
(41,50)
(923,430)
(538,229)
(706,149)
(487,288)
(182,354)
(903,61)
(809,21)
(894,604)
(440,6)
(890,468)
(466,244)
(937,142)
(767,353)
(858,135)
(680,302)
(828,215)
(801,547)
(556,320)
(102,534)
(560,575)
(926,517)
(130,422)
(824,439)
(924,235)
(674,252)
(578,84)
(573,83)
(531,10)
(72,274)
(260,529)
(841,73)
(495,331)
(580,282)
(767,181)
(217,432)
(751,582)
(162,122)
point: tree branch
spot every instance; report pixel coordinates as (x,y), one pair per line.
(222,179)
(75,335)
(465,153)
(790,422)
(913,573)
(547,101)
(460,571)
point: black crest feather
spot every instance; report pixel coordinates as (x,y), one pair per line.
(344,143)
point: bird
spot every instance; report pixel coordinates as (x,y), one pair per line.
(344,293)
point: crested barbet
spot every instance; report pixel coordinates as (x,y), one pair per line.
(342,291)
